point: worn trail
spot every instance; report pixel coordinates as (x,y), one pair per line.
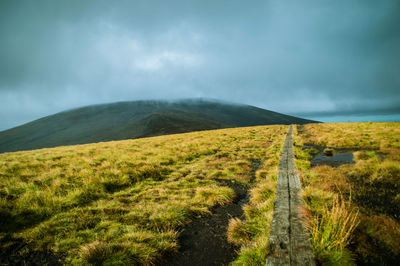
(204,241)
(289,239)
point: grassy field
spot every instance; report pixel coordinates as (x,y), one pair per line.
(353,210)
(123,202)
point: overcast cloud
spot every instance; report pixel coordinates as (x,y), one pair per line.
(300,57)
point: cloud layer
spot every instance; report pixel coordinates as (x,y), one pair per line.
(287,56)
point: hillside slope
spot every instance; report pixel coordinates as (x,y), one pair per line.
(126,120)
(126,202)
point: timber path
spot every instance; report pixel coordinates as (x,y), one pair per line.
(289,240)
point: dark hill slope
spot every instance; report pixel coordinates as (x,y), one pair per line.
(124,120)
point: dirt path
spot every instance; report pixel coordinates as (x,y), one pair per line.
(289,240)
(204,241)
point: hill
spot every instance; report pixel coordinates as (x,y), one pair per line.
(127,120)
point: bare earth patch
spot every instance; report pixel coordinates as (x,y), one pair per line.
(204,241)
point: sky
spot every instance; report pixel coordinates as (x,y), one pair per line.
(332,60)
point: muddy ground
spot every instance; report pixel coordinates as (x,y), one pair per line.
(204,241)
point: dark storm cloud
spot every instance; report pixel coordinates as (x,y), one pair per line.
(288,56)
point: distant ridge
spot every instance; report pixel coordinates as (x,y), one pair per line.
(135,119)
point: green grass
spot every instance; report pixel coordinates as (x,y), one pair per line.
(331,232)
(122,202)
(366,227)
(252,233)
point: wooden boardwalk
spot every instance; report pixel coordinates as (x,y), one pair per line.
(289,240)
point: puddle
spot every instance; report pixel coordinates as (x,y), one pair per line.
(339,157)
(335,160)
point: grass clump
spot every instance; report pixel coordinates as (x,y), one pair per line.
(365,155)
(328,152)
(96,253)
(253,254)
(331,233)
(237,232)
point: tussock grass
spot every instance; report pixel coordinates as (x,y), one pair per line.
(331,232)
(367,230)
(237,233)
(122,202)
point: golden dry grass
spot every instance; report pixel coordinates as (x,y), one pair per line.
(121,202)
(332,230)
(368,191)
